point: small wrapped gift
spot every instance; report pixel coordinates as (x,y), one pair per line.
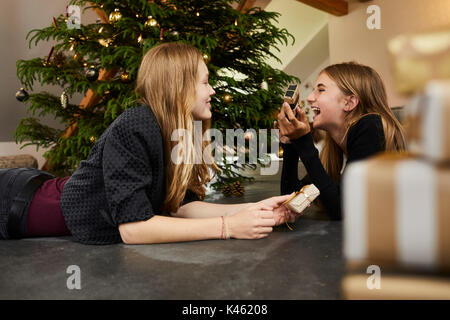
(302,199)
(418,58)
(396,214)
(427,122)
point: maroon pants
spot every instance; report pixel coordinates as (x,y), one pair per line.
(44,217)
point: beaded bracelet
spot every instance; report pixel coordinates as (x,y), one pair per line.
(222,236)
(226,230)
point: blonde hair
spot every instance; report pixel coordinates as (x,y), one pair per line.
(366,84)
(166,82)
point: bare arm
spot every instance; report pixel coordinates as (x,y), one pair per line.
(202,209)
(160,229)
(254,221)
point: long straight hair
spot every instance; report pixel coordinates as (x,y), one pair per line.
(166,82)
(366,84)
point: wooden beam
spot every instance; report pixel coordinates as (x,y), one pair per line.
(335,7)
(245,5)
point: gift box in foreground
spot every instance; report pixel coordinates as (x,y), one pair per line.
(397,214)
(418,58)
(359,286)
(426,120)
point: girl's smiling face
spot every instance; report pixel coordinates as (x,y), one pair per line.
(203,93)
(328,103)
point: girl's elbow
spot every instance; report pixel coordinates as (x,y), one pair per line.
(127,234)
(132,233)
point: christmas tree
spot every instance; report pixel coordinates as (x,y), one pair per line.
(101,60)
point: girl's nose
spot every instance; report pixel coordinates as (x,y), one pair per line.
(311,97)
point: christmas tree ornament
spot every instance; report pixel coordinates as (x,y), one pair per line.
(206,58)
(92,74)
(105,42)
(64,99)
(125,77)
(22,95)
(58,59)
(139,40)
(227,98)
(161,34)
(115,16)
(270,80)
(264,85)
(92,139)
(280,152)
(72,44)
(151,22)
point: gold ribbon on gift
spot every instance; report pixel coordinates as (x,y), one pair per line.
(381,232)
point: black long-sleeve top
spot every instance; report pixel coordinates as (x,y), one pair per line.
(365,138)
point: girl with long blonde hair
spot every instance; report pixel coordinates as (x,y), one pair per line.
(350,104)
(131,189)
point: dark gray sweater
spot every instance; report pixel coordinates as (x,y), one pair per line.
(121,181)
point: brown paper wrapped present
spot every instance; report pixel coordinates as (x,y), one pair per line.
(302,199)
(418,58)
(427,122)
(396,287)
(397,214)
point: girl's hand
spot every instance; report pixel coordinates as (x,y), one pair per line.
(292,125)
(281,214)
(253,222)
(283,139)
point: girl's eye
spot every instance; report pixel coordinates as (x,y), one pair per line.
(320,90)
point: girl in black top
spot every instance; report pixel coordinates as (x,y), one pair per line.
(349,103)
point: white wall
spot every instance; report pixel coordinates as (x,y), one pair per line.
(350,39)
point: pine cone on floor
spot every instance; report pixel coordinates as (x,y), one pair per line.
(238,189)
(227,190)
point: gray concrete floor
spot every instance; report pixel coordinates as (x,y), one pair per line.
(305,263)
